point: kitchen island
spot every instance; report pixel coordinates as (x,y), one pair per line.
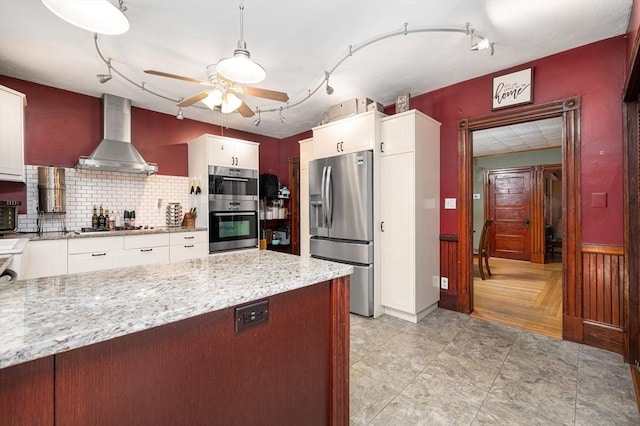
(171,344)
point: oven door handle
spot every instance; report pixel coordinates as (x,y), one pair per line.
(235,179)
(235,214)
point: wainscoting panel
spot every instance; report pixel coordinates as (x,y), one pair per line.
(603,296)
(449,268)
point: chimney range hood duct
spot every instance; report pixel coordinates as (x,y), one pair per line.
(116,152)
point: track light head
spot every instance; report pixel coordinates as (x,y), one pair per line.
(180,116)
(103,78)
(329,89)
(257,121)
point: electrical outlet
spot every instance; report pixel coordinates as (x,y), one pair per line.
(436,281)
(444,283)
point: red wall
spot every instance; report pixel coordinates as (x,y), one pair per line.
(595,72)
(60,126)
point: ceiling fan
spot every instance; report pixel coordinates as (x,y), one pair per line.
(226,79)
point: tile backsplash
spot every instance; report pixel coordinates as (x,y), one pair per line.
(115,191)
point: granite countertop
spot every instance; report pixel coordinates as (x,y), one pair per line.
(45,316)
(75,234)
(5,261)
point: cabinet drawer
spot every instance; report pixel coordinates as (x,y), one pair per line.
(143,241)
(97,261)
(195,237)
(146,256)
(188,251)
(95,244)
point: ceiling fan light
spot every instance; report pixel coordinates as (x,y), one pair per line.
(213,99)
(97,16)
(230,103)
(240,68)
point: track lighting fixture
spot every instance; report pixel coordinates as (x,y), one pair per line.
(180,116)
(482,44)
(103,78)
(282,119)
(258,120)
(329,89)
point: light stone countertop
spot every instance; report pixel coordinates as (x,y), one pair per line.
(76,234)
(45,316)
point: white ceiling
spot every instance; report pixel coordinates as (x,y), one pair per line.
(296,41)
(531,136)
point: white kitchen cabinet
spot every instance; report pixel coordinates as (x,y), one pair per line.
(12,105)
(95,254)
(230,152)
(410,215)
(352,134)
(214,150)
(44,258)
(146,249)
(188,245)
(306,154)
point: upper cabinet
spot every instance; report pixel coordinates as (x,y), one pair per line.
(232,152)
(12,105)
(353,134)
(210,150)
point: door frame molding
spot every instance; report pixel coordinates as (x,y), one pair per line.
(570,110)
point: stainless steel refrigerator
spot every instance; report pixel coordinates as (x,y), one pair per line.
(341,219)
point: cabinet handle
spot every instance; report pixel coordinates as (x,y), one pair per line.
(338,147)
(382,226)
(98,254)
(144,250)
(381,146)
(189,238)
(189,246)
(341,147)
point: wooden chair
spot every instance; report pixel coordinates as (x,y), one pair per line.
(483,248)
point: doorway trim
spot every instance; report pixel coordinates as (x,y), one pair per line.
(569,109)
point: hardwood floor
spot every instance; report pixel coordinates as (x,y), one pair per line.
(520,294)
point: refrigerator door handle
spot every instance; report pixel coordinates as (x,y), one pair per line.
(329,192)
(323,198)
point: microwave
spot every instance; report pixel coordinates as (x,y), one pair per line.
(228,183)
(8,216)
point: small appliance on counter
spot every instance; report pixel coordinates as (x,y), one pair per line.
(51,190)
(9,216)
(174,214)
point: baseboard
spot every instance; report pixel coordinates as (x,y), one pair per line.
(635,377)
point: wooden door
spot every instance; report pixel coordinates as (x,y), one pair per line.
(510,207)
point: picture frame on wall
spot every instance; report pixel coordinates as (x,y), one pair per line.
(512,89)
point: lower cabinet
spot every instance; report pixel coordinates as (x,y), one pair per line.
(188,245)
(45,258)
(146,249)
(95,254)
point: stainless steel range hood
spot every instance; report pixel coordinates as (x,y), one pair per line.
(116,152)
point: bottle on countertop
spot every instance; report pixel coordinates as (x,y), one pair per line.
(101,219)
(118,220)
(94,218)
(132,217)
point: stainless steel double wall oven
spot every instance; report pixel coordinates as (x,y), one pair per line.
(233,208)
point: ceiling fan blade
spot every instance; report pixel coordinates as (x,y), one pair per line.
(177,77)
(265,93)
(193,99)
(245,111)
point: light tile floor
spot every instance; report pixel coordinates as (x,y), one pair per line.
(451,369)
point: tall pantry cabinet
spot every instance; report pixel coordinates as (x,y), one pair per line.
(410,214)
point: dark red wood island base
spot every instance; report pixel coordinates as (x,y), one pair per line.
(291,370)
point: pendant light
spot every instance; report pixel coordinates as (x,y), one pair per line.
(240,68)
(97,16)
